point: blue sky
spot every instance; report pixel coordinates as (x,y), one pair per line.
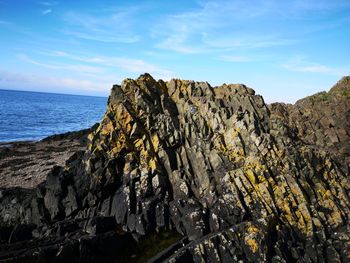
(285,50)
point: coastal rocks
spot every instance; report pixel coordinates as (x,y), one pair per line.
(209,174)
(26,164)
(321,120)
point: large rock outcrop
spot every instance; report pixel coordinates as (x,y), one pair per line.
(322,120)
(208,174)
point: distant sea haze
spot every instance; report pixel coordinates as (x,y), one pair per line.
(34,115)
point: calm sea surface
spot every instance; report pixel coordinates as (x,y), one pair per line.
(33,115)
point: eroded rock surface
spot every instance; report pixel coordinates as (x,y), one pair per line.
(238,180)
(26,164)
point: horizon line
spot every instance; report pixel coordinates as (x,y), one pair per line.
(53,93)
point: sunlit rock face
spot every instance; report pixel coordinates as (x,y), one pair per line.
(322,120)
(238,179)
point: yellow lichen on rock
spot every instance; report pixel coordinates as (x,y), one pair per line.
(155,142)
(224,154)
(152,165)
(250,237)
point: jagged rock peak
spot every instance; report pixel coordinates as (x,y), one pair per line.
(147,84)
(342,86)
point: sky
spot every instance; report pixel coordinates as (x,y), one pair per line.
(284,50)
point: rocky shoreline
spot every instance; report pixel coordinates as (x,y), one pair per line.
(180,171)
(26,163)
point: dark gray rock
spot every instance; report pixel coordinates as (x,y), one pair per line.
(240,181)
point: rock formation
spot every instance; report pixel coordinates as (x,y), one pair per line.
(180,171)
(322,120)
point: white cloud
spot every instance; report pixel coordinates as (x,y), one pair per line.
(99,68)
(46,12)
(177,43)
(227,43)
(18,80)
(127,64)
(300,65)
(48,3)
(223,25)
(115,28)
(60,53)
(67,67)
(213,27)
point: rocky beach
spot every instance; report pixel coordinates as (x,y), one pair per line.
(26,164)
(181,171)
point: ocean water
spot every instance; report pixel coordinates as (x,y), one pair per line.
(34,115)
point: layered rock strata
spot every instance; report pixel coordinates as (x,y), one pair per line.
(212,174)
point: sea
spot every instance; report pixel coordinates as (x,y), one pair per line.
(28,116)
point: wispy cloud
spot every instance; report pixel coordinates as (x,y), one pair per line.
(46,12)
(67,67)
(48,3)
(221,25)
(177,43)
(127,64)
(94,66)
(19,80)
(112,28)
(300,65)
(257,42)
(95,75)
(213,27)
